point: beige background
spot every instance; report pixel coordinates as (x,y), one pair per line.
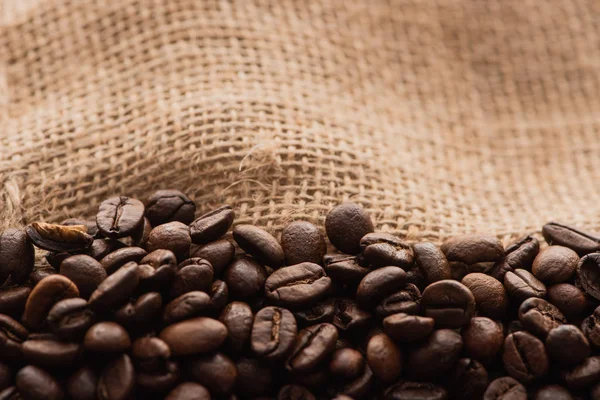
(441,117)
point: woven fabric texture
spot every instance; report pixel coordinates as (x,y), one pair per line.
(440,117)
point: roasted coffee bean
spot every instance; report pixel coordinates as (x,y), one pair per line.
(215,371)
(82,384)
(169,205)
(555,264)
(552,392)
(483,339)
(583,375)
(407,328)
(311,347)
(259,244)
(100,248)
(186,306)
(194,274)
(591,327)
(155,279)
(588,274)
(12,300)
(382,249)
(193,336)
(505,388)
(525,357)
(344,268)
(384,358)
(160,257)
(219,254)
(301,242)
(34,383)
(55,259)
(451,304)
(116,289)
(346,224)
(159,382)
(273,333)
(323,311)
(348,316)
(117,380)
(51,353)
(519,255)
(120,216)
(212,225)
(407,390)
(150,354)
(44,295)
(540,317)
(189,391)
(59,238)
(567,345)
(90,224)
(407,300)
(522,285)
(219,296)
(173,236)
(245,278)
(435,356)
(378,284)
(238,319)
(490,295)
(85,272)
(16,256)
(295,392)
(296,286)
(468,379)
(140,238)
(69,319)
(120,257)
(106,337)
(12,335)
(472,249)
(360,386)
(141,312)
(432,262)
(563,235)
(568,299)
(346,363)
(254,378)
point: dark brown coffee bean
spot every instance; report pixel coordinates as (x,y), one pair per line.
(194,274)
(383,249)
(552,392)
(254,378)
(432,262)
(173,236)
(150,354)
(99,249)
(106,337)
(294,392)
(212,225)
(36,384)
(588,274)
(407,300)
(12,300)
(346,224)
(344,268)
(140,238)
(490,296)
(215,371)
(120,257)
(114,291)
(567,345)
(359,387)
(451,304)
(59,238)
(505,388)
(591,327)
(85,272)
(563,235)
(348,316)
(69,319)
(44,295)
(16,256)
(298,285)
(384,358)
(273,333)
(259,244)
(141,312)
(407,328)
(311,346)
(379,284)
(160,257)
(155,279)
(522,285)
(416,391)
(82,384)
(219,296)
(51,353)
(169,205)
(346,363)
(12,335)
(301,242)
(117,380)
(323,311)
(219,254)
(189,391)
(555,264)
(540,317)
(468,379)
(519,255)
(583,375)
(193,336)
(120,216)
(483,339)
(186,306)
(568,299)
(238,319)
(436,356)
(245,277)
(472,249)
(525,357)
(159,382)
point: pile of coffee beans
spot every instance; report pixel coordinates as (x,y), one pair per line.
(150,302)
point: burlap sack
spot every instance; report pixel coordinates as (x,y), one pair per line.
(440,117)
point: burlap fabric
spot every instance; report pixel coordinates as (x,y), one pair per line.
(440,117)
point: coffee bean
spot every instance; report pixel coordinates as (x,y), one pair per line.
(186,306)
(294,392)
(116,289)
(106,337)
(238,319)
(34,383)
(189,391)
(552,392)
(344,268)
(525,357)
(254,378)
(12,335)
(85,272)
(138,314)
(583,375)
(384,358)
(311,346)
(69,319)
(483,339)
(346,224)
(588,274)
(416,390)
(472,249)
(217,372)
(259,244)
(173,236)
(273,333)
(150,354)
(407,328)
(301,241)
(298,285)
(82,384)
(169,205)
(117,380)
(219,254)
(212,225)
(563,235)
(193,336)
(567,345)
(522,285)
(568,299)
(490,295)
(158,258)
(194,274)
(159,382)
(468,379)
(51,353)
(378,284)
(349,317)
(519,255)
(555,264)
(120,257)
(44,295)
(219,296)
(384,249)
(451,304)
(432,262)
(360,386)
(435,356)
(140,238)
(120,216)
(98,250)
(245,277)
(346,363)
(16,256)
(406,300)
(12,300)
(155,279)
(540,317)
(59,238)
(505,388)
(323,311)
(591,328)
